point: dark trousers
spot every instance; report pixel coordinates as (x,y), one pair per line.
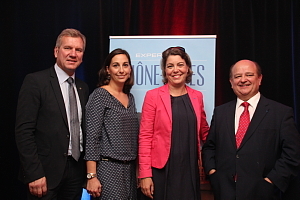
(70,187)
(293,191)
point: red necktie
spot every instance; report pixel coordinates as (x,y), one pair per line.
(243,124)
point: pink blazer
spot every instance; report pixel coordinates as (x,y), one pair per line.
(156,127)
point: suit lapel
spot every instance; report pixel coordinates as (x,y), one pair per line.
(82,98)
(166,99)
(260,112)
(80,92)
(58,94)
(230,113)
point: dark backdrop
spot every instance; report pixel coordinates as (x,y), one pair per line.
(266,31)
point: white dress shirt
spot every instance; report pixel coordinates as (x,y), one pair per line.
(64,86)
(253,101)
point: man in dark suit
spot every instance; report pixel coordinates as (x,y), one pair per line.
(267,158)
(51,152)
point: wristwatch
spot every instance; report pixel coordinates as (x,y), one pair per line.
(91,175)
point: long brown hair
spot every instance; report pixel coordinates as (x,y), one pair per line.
(104,77)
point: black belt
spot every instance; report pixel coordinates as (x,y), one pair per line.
(117,161)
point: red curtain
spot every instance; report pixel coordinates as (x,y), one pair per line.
(178,17)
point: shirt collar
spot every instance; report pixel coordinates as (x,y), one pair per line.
(61,74)
(253,101)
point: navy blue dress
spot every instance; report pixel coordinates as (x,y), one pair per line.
(180,178)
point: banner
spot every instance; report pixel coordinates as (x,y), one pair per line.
(146,51)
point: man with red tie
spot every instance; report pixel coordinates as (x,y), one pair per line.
(252,150)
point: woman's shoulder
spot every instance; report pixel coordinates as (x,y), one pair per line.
(130,95)
(193,91)
(100,90)
(100,93)
(156,90)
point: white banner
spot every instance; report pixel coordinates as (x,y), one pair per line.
(145,53)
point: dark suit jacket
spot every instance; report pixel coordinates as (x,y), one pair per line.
(270,148)
(42,133)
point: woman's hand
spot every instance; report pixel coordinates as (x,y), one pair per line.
(147,187)
(94,187)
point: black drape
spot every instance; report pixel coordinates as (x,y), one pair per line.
(266,31)
(260,31)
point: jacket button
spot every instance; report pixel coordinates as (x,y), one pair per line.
(68,136)
(237,156)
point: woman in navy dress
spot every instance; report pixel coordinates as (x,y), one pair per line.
(173,124)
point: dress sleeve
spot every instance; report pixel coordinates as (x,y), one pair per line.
(94,121)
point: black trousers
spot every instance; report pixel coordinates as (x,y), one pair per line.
(70,187)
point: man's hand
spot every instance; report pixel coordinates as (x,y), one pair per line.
(38,187)
(268,180)
(211,171)
(147,187)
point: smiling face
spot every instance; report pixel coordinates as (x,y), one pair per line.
(69,54)
(245,80)
(176,70)
(119,69)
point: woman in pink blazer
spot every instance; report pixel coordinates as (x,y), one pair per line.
(173,123)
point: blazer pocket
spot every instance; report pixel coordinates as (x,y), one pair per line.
(213,178)
(264,189)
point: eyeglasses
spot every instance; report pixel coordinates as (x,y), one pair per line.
(180,48)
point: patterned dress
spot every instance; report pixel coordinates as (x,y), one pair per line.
(112,132)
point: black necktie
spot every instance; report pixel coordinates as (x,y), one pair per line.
(74,121)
